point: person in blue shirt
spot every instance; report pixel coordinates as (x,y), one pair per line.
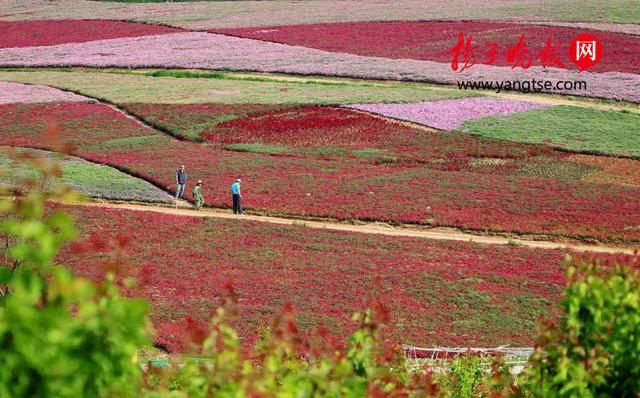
(237,197)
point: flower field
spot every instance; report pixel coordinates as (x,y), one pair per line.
(612,170)
(214,51)
(208,15)
(52,32)
(81,123)
(337,116)
(328,132)
(590,130)
(530,202)
(449,114)
(314,126)
(432,40)
(439,292)
(28,93)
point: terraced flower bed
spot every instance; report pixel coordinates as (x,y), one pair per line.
(569,127)
(52,32)
(214,51)
(342,189)
(322,131)
(313,126)
(433,40)
(332,133)
(81,123)
(447,293)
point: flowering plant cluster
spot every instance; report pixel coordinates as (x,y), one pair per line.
(312,126)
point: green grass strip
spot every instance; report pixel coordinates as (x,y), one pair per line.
(572,128)
(85,177)
(258,148)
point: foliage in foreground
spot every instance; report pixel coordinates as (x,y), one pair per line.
(60,335)
(594,351)
(98,181)
(63,336)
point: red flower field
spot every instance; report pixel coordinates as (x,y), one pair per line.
(342,188)
(448,293)
(302,128)
(314,126)
(52,32)
(432,40)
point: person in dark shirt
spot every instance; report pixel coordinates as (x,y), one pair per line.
(181,182)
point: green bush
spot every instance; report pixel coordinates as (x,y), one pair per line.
(286,364)
(60,335)
(594,350)
(465,377)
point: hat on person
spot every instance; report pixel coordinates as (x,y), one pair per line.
(238,180)
(199,181)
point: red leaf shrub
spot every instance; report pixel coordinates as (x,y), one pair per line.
(438,292)
(52,32)
(432,40)
(344,188)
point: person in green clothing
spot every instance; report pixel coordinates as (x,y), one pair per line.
(198,199)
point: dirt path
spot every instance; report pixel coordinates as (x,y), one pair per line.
(369,228)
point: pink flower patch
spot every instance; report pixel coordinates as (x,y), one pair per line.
(450,114)
(31,93)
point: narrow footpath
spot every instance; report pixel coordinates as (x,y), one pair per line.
(368,228)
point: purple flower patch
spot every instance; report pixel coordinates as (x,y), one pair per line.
(449,114)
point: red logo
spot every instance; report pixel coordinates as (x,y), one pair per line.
(585,51)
